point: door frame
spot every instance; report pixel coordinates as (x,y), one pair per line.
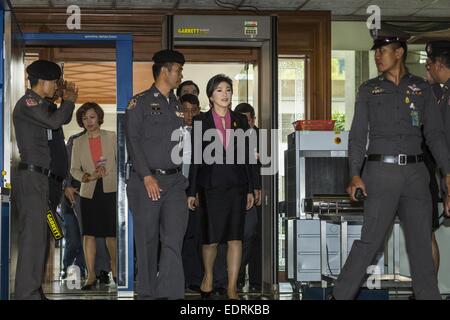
(123,43)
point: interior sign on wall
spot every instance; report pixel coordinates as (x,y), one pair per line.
(251,28)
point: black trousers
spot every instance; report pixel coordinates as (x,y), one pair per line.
(192,250)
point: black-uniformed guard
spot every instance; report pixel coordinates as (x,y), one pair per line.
(59,163)
(390,109)
(156,187)
(31,120)
(438,66)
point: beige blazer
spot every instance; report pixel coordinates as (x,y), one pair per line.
(82,163)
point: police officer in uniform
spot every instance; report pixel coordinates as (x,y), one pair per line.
(389,111)
(156,187)
(438,66)
(31,120)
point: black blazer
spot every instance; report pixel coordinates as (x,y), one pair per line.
(218,175)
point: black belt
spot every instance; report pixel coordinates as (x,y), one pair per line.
(44,171)
(166,172)
(400,159)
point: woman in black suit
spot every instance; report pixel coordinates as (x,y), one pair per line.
(221,180)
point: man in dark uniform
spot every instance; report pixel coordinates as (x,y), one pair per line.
(252,242)
(31,118)
(156,188)
(191,252)
(390,110)
(59,164)
(438,66)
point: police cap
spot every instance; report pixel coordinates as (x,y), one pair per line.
(168,56)
(383,41)
(45,70)
(438,48)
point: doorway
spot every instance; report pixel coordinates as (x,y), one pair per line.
(225,38)
(113,96)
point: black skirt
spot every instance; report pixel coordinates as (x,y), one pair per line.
(223,214)
(99,213)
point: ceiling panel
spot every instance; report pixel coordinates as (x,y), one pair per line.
(153,4)
(397,8)
(327,5)
(400,12)
(441,4)
(201,4)
(343,11)
(270,4)
(27,3)
(389,4)
(83,3)
(440,13)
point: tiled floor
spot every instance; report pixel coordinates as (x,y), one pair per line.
(58,290)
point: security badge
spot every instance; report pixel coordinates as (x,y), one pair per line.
(414,115)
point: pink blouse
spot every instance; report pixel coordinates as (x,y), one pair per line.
(219,126)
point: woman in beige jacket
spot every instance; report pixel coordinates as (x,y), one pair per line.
(94,163)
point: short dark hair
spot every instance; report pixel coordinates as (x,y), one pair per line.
(191,98)
(187,83)
(403,45)
(214,82)
(444,59)
(33,81)
(156,68)
(245,107)
(88,106)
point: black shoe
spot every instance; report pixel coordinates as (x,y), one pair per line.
(220,291)
(254,288)
(41,293)
(103,277)
(240,286)
(89,286)
(63,274)
(331,297)
(206,295)
(194,288)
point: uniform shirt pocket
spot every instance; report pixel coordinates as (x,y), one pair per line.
(154,122)
(379,108)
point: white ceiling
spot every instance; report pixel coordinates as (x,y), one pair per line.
(339,8)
